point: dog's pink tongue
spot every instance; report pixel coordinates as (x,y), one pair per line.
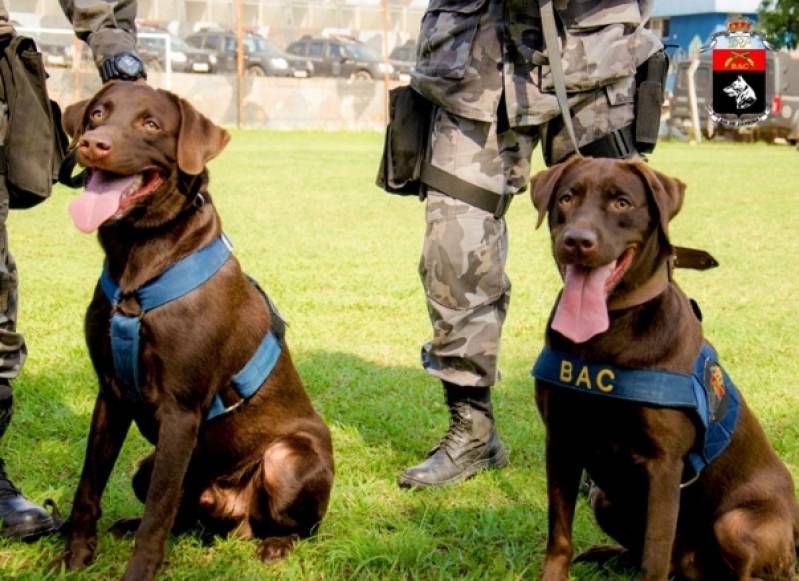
(99,201)
(583,310)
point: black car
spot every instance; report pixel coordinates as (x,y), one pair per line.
(261,58)
(184,58)
(341,57)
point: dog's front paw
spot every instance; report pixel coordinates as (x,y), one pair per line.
(555,570)
(79,553)
(276,547)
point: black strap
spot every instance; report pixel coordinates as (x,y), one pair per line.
(618,144)
(459,189)
(67,167)
(693,258)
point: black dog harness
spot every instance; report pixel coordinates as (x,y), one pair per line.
(179,279)
(707,391)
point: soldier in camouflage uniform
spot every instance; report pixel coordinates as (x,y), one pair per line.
(483,64)
(109,29)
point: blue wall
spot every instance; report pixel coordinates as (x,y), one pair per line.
(683,29)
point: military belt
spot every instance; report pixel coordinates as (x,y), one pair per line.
(464,191)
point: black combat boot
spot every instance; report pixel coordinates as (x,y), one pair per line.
(19,518)
(470,445)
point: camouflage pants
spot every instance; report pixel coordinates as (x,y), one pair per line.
(12,345)
(465,248)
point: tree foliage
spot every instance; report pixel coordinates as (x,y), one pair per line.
(779,19)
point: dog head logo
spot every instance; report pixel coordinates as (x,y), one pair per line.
(743,94)
(739,94)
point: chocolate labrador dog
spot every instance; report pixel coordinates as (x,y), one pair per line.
(630,391)
(184,344)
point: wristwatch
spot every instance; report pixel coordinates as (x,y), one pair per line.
(123,66)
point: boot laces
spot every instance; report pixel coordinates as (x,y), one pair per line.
(458,432)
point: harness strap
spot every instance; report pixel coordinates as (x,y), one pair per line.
(552,41)
(125,354)
(707,391)
(464,191)
(248,381)
(182,277)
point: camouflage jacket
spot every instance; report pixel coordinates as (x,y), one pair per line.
(470,51)
(107,26)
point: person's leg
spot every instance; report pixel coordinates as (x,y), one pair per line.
(463,273)
(19,518)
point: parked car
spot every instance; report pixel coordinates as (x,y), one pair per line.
(403,59)
(782,82)
(341,57)
(261,58)
(184,58)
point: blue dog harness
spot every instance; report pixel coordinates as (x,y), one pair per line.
(708,391)
(179,279)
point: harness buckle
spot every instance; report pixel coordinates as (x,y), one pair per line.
(502,205)
(198,201)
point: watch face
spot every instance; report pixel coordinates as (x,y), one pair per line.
(129,65)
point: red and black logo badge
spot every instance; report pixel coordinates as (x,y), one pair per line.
(739,81)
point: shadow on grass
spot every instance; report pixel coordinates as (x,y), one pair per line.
(383,418)
(403,409)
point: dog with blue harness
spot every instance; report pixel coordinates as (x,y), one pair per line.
(631,392)
(185,345)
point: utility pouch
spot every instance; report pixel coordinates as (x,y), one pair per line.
(34,142)
(407,134)
(650,79)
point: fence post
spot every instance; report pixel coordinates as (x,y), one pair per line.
(239,62)
(386,24)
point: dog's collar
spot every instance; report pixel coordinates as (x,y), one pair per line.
(707,391)
(653,287)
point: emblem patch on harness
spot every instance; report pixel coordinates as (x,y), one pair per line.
(716,390)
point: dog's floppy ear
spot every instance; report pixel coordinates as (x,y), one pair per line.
(544,184)
(72,118)
(667,192)
(199,140)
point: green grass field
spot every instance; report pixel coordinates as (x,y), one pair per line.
(339,258)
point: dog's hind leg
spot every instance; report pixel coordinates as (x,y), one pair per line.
(110,424)
(755,545)
(293,489)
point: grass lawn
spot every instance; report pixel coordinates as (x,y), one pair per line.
(339,258)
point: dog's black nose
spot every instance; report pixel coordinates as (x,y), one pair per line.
(580,240)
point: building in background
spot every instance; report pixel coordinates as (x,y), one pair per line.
(688,24)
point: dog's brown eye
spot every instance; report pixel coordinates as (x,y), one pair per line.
(565,199)
(622,203)
(97,115)
(151,125)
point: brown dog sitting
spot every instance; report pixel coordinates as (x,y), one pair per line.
(184,344)
(629,390)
